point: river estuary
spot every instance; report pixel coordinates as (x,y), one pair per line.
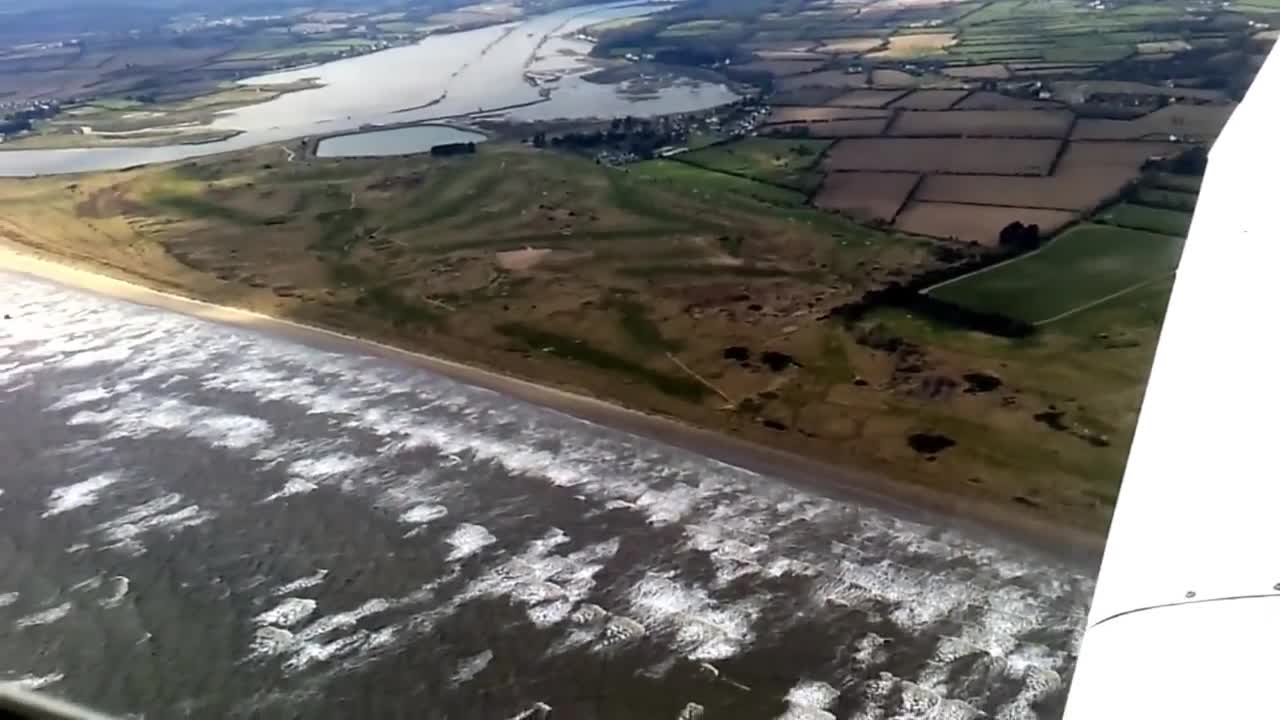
(204,521)
(443,76)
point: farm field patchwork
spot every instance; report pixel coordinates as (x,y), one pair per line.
(983,123)
(793,114)
(945,155)
(867,98)
(929,100)
(869,127)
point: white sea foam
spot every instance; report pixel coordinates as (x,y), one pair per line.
(422,514)
(327,466)
(469,667)
(44,617)
(78,495)
(8,598)
(302,583)
(703,628)
(89,358)
(158,515)
(810,700)
(119,589)
(288,613)
(140,415)
(467,540)
(81,397)
(292,486)
(39,682)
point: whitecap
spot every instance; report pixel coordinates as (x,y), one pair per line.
(469,667)
(78,495)
(44,617)
(288,613)
(467,540)
(302,583)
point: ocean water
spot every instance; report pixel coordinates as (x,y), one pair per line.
(203,521)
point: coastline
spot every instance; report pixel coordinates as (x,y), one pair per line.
(1079,548)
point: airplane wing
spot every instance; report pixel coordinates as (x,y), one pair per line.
(1185,621)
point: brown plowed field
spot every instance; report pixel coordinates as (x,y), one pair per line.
(850,45)
(930,100)
(824,79)
(945,155)
(1129,155)
(1082,190)
(821,114)
(1186,121)
(1088,175)
(782,68)
(870,127)
(805,96)
(983,123)
(867,98)
(974,223)
(994,71)
(987,100)
(866,196)
(893,78)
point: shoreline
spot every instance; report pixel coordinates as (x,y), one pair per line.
(988,522)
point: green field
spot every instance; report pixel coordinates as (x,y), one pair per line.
(784,162)
(1142,217)
(1170,181)
(1169,199)
(1084,265)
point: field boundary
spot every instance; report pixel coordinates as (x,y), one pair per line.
(789,188)
(1094,303)
(1002,263)
(909,198)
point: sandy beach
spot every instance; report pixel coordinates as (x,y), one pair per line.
(1079,547)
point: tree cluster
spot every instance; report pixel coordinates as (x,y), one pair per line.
(1015,235)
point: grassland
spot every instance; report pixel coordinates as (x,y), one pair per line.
(784,162)
(1152,219)
(1084,265)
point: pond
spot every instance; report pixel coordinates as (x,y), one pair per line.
(397,141)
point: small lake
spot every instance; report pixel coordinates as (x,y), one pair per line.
(398,141)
